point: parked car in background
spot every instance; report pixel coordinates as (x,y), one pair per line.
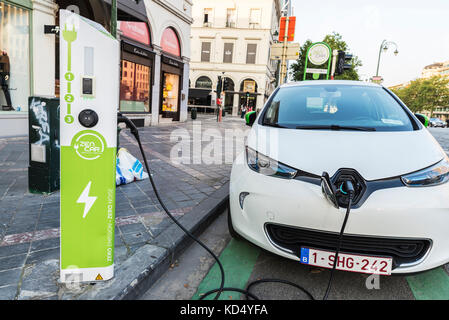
(437,122)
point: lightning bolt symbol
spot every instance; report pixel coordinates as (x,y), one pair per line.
(86,199)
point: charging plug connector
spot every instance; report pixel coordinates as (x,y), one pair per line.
(349,186)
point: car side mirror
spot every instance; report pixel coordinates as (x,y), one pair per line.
(250,118)
(423,119)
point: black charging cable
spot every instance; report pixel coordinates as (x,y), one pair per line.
(135,132)
(350,191)
(221,289)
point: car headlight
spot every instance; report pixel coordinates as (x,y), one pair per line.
(434,175)
(267,166)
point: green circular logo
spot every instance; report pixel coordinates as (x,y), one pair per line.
(319,54)
(69,119)
(89,145)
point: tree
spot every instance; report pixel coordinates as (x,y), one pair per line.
(409,95)
(335,41)
(425,94)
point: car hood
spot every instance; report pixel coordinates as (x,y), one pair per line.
(375,155)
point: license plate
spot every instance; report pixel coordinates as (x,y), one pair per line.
(347,262)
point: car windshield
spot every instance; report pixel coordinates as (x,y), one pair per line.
(339,107)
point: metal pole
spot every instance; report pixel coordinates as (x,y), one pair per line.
(114,18)
(334,63)
(380,53)
(284,53)
(224,93)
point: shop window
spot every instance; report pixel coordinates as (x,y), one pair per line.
(14,57)
(170,93)
(205,51)
(251,53)
(228,52)
(248,86)
(134,88)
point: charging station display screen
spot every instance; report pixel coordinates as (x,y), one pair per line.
(88,86)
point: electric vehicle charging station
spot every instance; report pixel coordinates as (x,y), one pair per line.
(89,73)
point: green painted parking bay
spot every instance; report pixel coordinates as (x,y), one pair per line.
(244,263)
(238,260)
(430,285)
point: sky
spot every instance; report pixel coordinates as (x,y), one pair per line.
(419,28)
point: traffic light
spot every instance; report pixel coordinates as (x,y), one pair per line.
(225,84)
(219,84)
(343,62)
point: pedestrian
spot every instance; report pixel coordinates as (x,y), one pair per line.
(243,111)
(4,77)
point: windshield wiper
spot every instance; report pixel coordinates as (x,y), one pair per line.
(335,127)
(275,125)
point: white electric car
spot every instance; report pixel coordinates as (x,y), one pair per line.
(346,130)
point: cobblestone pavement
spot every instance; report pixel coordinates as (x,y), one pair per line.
(29,224)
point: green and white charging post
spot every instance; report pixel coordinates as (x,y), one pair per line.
(319,54)
(89,75)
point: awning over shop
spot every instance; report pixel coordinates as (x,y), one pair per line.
(130,10)
(199,93)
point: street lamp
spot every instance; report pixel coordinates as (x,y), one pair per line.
(384,47)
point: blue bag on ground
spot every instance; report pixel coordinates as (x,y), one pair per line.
(129,168)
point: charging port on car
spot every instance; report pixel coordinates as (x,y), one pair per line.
(358,182)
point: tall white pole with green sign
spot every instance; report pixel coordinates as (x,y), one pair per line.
(89,82)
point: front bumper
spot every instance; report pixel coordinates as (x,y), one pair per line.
(406,213)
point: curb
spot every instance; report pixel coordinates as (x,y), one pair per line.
(139,272)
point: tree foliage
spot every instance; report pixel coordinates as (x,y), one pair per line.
(425,94)
(336,42)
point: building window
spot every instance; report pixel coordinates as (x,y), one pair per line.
(203,83)
(254,18)
(14,57)
(205,51)
(207,17)
(228,52)
(251,53)
(230,18)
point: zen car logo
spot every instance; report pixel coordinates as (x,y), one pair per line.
(89,145)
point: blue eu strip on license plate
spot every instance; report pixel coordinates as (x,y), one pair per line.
(305,255)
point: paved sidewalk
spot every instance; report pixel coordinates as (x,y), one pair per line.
(146,240)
